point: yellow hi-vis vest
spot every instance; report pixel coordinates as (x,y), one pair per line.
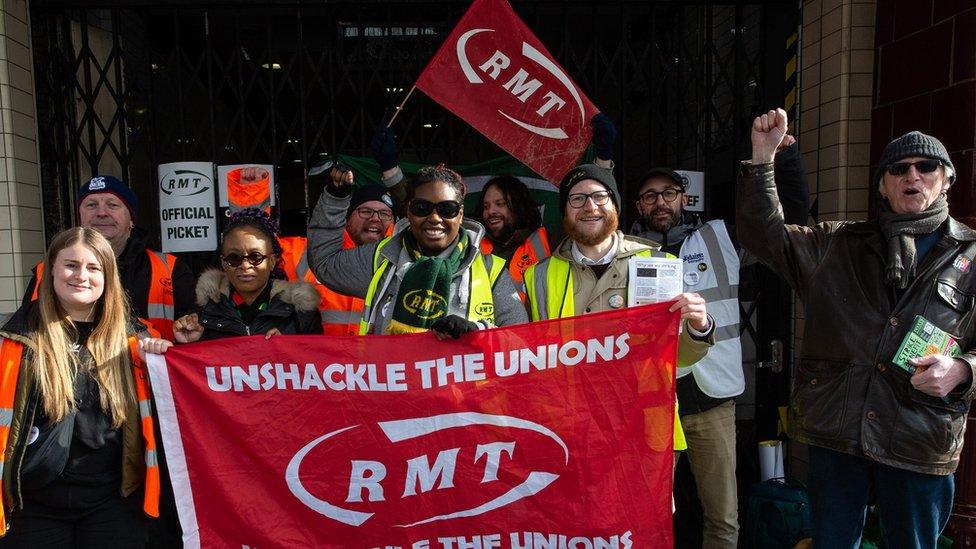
(485,270)
(554,286)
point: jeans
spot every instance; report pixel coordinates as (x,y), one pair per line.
(913,507)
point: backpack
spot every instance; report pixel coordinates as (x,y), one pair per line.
(779,514)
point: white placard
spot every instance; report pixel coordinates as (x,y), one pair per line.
(222,172)
(695,189)
(653,280)
(187,211)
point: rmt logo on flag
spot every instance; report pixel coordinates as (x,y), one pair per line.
(497,76)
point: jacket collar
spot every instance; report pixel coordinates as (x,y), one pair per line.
(17,326)
(690,222)
(213,286)
(626,247)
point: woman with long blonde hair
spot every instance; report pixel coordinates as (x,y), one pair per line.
(79,462)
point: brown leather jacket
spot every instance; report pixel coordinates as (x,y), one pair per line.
(847,395)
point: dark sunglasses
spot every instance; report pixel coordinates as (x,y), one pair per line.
(923,166)
(448,209)
(235,260)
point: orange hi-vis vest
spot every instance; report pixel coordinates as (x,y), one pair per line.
(248,195)
(161,308)
(340,313)
(533,250)
(11,354)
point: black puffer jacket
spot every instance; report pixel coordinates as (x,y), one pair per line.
(293,309)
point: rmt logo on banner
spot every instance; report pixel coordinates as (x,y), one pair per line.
(392,474)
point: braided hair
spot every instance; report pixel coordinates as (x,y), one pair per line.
(265,224)
(440,173)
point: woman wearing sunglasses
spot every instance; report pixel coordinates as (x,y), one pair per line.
(78,435)
(429,275)
(250,295)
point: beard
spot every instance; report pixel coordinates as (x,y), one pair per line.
(591,238)
(503,233)
(662,225)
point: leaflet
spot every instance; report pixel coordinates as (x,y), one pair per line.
(653,279)
(924,339)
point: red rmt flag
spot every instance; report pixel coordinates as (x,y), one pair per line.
(497,76)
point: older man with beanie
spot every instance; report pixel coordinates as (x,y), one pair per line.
(160,288)
(883,427)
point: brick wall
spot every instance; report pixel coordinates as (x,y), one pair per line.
(926,81)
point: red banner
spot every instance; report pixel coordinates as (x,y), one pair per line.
(497,76)
(550,434)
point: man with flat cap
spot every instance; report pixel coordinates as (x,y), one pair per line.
(883,418)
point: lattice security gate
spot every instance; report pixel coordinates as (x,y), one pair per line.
(122,88)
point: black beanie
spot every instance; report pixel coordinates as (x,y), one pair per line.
(912,144)
(604,176)
(368,193)
(108,184)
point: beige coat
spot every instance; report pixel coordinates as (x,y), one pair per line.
(592,295)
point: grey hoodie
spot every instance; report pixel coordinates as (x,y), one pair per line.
(350,271)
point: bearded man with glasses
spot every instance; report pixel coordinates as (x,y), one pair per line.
(884,423)
(706,390)
(429,275)
(369,219)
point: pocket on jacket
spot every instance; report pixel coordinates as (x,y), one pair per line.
(929,429)
(951,310)
(821,396)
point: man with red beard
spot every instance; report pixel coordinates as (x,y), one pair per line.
(588,271)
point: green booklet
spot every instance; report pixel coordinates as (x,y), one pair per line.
(924,339)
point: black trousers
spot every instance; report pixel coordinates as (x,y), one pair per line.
(114,523)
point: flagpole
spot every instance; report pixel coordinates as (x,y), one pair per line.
(400,107)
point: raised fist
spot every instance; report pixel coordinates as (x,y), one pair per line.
(768,131)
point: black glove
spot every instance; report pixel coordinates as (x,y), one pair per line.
(604,136)
(454,326)
(384,149)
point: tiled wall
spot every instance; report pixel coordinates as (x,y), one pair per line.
(836,60)
(21,225)
(927,81)
(836,78)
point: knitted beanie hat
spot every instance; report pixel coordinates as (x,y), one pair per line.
(108,184)
(588,171)
(913,144)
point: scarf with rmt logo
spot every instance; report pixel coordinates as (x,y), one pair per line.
(424,293)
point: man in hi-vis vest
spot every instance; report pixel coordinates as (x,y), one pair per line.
(706,390)
(160,288)
(369,219)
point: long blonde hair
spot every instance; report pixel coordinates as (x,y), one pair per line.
(55,365)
